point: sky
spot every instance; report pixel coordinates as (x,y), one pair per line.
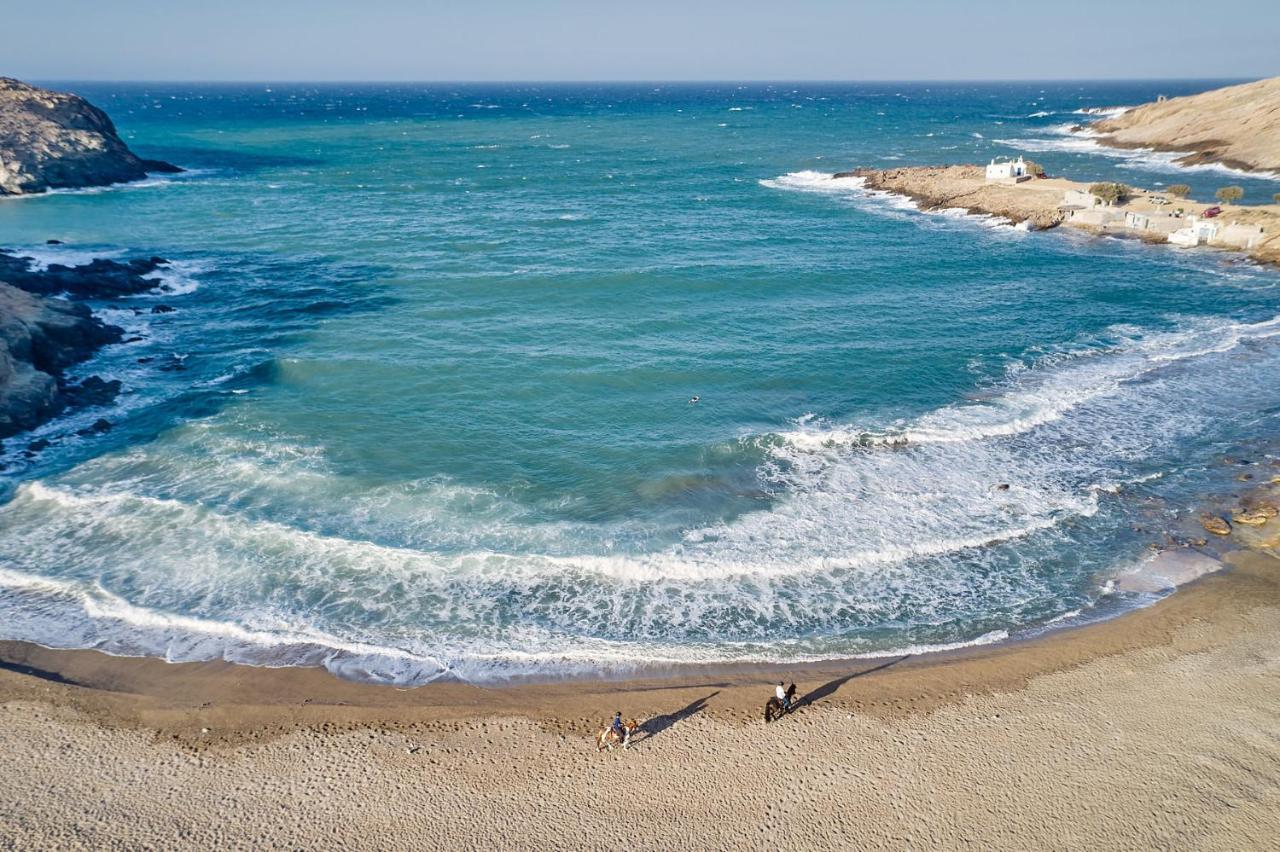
(507,40)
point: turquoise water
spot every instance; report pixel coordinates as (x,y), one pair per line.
(424,409)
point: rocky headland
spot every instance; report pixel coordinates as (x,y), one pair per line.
(45,328)
(1237,126)
(965,187)
(1041,203)
(55,140)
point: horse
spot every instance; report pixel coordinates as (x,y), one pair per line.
(606,738)
(775,709)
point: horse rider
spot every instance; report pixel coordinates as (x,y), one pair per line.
(784,699)
(616,725)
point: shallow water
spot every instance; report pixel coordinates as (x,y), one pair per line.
(424,408)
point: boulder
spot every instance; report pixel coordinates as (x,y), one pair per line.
(1215,524)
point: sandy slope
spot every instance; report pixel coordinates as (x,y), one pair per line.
(1237,125)
(1166,738)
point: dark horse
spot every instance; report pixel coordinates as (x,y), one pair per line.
(775,709)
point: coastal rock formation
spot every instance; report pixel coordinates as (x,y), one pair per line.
(965,187)
(54,140)
(42,334)
(1041,202)
(98,279)
(1238,126)
(39,339)
(1215,524)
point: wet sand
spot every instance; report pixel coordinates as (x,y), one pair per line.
(1155,729)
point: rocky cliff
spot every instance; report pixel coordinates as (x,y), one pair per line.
(39,338)
(54,140)
(1238,126)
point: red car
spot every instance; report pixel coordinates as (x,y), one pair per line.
(1211,212)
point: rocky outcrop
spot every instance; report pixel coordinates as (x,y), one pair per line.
(1238,126)
(44,331)
(54,140)
(39,339)
(98,279)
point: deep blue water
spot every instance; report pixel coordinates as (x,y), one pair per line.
(424,408)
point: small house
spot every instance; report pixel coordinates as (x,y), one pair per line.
(1162,223)
(1197,232)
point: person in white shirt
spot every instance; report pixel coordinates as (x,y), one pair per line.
(781,692)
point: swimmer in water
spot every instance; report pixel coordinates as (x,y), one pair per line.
(693,400)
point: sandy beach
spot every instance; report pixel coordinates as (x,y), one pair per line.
(1153,730)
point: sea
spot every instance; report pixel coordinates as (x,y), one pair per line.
(500,382)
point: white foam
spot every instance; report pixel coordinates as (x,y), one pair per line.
(1108,112)
(164,548)
(1068,139)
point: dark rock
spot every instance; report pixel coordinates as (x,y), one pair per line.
(37,445)
(92,391)
(53,242)
(98,279)
(133,339)
(99,426)
(146,360)
(39,339)
(162,309)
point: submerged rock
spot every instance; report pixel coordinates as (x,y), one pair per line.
(52,140)
(1252,519)
(1215,524)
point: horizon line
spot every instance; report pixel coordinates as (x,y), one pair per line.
(644,82)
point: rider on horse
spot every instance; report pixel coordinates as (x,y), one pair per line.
(616,725)
(783,696)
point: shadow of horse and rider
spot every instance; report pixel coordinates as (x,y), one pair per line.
(635,731)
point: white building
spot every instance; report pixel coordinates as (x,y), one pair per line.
(1008,171)
(1198,232)
(1163,223)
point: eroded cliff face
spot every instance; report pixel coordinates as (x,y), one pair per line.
(52,140)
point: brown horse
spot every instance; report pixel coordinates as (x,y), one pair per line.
(775,709)
(607,738)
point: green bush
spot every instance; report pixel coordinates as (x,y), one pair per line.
(1179,190)
(1229,194)
(1111,193)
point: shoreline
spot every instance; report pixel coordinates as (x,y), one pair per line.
(1152,730)
(241,701)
